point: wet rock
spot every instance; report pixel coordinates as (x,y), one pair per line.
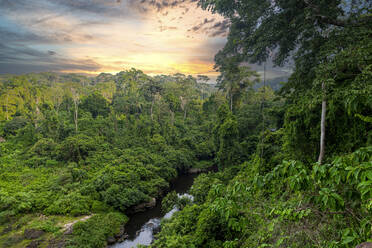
(143,206)
(122,238)
(33,233)
(364,245)
(111,240)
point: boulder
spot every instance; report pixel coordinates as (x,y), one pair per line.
(143,206)
(33,233)
(120,233)
(122,238)
(34,244)
(364,245)
(54,243)
(195,170)
(111,240)
(68,230)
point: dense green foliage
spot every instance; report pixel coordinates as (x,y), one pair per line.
(78,146)
(279,196)
(73,146)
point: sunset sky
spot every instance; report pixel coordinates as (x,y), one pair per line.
(93,36)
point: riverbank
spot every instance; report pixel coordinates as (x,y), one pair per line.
(142,225)
(52,231)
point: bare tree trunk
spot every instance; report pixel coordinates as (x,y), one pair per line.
(76,116)
(75,95)
(322,126)
(152,105)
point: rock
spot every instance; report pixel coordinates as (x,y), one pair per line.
(152,203)
(68,230)
(54,243)
(122,238)
(364,245)
(143,206)
(43,217)
(34,244)
(33,233)
(120,233)
(111,240)
(195,170)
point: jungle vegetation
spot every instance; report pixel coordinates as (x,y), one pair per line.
(297,171)
(295,164)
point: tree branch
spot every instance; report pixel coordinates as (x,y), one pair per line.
(337,22)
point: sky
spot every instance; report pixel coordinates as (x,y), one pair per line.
(94,36)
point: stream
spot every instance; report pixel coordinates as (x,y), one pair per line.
(141,227)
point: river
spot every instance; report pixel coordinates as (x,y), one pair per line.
(142,226)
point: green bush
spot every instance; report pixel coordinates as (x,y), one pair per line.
(73,203)
(94,232)
(75,148)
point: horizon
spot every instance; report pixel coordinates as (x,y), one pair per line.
(90,37)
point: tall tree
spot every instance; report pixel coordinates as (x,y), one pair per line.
(295,29)
(234,80)
(76,100)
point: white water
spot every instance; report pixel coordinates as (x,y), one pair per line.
(145,235)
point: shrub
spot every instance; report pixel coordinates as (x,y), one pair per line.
(94,232)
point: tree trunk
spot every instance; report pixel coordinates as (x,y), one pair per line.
(322,126)
(184,114)
(152,105)
(75,98)
(231,101)
(76,117)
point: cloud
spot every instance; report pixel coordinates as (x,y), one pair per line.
(201,25)
(92,36)
(161,5)
(218,29)
(77,66)
(21,59)
(165,28)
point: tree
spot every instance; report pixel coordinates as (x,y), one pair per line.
(203,80)
(76,100)
(234,80)
(294,29)
(150,91)
(96,104)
